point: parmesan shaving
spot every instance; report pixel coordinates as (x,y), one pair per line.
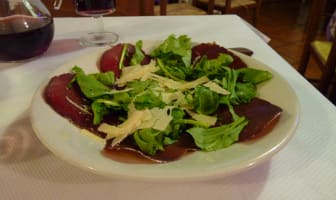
(155,118)
(169,97)
(137,72)
(177,85)
(216,88)
(208,120)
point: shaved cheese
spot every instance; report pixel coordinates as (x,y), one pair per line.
(216,88)
(169,97)
(205,119)
(162,118)
(137,72)
(165,81)
(155,118)
(126,128)
(159,119)
(179,85)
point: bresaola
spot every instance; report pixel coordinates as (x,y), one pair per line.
(110,60)
(71,104)
(212,51)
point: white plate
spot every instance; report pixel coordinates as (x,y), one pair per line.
(67,142)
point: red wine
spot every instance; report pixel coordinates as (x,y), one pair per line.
(23,37)
(95,7)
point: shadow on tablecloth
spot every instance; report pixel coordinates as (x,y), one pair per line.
(22,153)
(63,46)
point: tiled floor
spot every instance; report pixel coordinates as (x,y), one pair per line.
(283,21)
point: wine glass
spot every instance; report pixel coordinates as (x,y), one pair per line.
(97,9)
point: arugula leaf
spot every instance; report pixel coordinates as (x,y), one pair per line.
(141,86)
(180,47)
(254,76)
(123,99)
(212,68)
(107,78)
(109,103)
(123,55)
(212,139)
(175,53)
(205,100)
(149,140)
(176,127)
(89,85)
(138,56)
(240,92)
(173,72)
(99,111)
(148,99)
(245,92)
(77,70)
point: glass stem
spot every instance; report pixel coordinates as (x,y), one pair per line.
(99,23)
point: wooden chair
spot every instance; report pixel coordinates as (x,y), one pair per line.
(180,8)
(231,6)
(324,52)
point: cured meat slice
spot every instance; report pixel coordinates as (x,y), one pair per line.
(110,59)
(67,100)
(212,51)
(261,114)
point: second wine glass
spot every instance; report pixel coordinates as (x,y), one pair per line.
(97,9)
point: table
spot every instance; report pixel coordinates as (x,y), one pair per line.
(305,169)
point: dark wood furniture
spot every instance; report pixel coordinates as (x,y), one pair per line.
(324,52)
(231,6)
(180,8)
(124,8)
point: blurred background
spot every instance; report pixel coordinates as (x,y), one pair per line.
(285,22)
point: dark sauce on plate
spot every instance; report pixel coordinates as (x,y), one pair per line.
(127,152)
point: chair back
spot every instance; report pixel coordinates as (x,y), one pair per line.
(233,6)
(313,25)
(328,71)
(184,8)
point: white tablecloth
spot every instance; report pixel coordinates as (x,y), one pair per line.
(305,169)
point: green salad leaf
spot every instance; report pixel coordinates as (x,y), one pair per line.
(148,99)
(149,140)
(212,139)
(205,100)
(212,68)
(90,85)
(254,76)
(175,56)
(138,56)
